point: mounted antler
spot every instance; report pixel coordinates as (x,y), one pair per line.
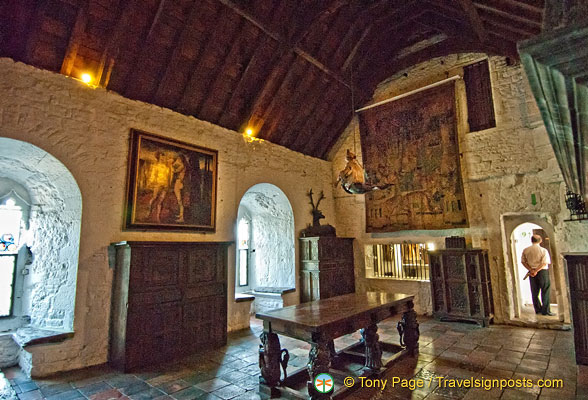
(317,229)
(322,196)
(317,215)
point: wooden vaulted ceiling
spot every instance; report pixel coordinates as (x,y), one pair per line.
(284,67)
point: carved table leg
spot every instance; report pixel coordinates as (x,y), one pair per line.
(408,328)
(270,358)
(319,362)
(332,349)
(373,351)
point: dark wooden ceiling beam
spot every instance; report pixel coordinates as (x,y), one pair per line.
(515,7)
(32,37)
(313,135)
(167,93)
(338,126)
(304,133)
(184,63)
(113,43)
(445,25)
(18,18)
(138,60)
(168,60)
(271,84)
(306,106)
(256,71)
(356,33)
(282,39)
(280,98)
(295,104)
(485,9)
(509,31)
(75,39)
(321,17)
(377,32)
(474,19)
(229,75)
(209,63)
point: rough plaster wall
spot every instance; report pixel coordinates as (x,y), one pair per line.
(87,130)
(9,351)
(272,240)
(501,168)
(53,235)
(6,185)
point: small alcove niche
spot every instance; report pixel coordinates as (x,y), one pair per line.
(39,189)
(265,244)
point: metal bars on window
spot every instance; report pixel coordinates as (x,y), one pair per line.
(409,261)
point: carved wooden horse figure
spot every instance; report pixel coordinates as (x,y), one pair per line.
(271,357)
(352,177)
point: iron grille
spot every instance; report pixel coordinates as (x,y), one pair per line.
(409,261)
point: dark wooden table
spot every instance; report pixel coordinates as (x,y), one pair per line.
(320,322)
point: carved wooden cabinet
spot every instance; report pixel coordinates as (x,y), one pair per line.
(169,300)
(326,267)
(460,285)
(577,271)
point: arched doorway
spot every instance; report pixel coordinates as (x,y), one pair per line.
(518,230)
(52,235)
(521,239)
(265,240)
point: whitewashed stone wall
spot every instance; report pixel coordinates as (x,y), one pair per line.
(501,168)
(273,239)
(48,293)
(87,130)
(9,351)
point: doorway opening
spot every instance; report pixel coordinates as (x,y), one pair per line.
(518,230)
(521,239)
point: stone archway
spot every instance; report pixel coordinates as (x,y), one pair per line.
(272,247)
(513,278)
(53,235)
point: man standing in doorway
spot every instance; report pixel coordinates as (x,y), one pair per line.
(536,259)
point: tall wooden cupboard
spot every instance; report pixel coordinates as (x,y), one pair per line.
(169,300)
(577,271)
(326,268)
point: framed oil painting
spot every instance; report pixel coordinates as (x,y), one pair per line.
(170,185)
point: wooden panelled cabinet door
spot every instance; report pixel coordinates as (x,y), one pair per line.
(327,267)
(577,271)
(460,285)
(169,300)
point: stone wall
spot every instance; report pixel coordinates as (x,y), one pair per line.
(87,130)
(501,168)
(9,351)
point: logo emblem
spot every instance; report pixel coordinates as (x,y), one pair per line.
(323,383)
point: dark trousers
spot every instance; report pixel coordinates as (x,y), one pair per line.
(540,283)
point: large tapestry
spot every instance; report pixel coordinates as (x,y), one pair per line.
(412,144)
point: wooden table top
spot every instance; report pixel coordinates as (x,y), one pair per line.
(319,313)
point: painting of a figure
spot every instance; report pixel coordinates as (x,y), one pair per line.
(171,185)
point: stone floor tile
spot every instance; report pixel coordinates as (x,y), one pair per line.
(174,386)
(33,395)
(148,394)
(229,392)
(212,385)
(503,365)
(94,388)
(51,390)
(188,394)
(482,394)
(514,394)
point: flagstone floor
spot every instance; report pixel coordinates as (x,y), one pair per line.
(450,354)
